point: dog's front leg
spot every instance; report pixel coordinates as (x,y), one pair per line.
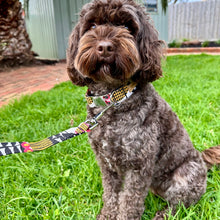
(131,199)
(112,184)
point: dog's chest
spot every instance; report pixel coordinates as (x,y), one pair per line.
(119,141)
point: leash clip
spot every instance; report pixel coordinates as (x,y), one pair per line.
(92,122)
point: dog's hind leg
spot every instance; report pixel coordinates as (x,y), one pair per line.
(185,186)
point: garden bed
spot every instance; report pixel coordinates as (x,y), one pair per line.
(209,50)
(193,44)
(211,47)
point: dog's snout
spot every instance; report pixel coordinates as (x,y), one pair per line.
(105,48)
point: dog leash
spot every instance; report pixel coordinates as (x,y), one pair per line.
(112,99)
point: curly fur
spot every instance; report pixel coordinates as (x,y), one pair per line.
(140,145)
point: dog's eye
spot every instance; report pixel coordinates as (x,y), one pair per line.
(93,26)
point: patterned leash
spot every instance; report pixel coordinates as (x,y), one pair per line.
(108,100)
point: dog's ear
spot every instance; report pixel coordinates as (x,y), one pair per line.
(74,75)
(150,49)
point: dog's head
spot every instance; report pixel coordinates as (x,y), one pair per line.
(114,41)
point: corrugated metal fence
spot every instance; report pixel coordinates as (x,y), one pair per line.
(49,24)
(66,17)
(41,28)
(160,20)
(194,21)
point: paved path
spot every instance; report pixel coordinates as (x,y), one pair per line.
(26,80)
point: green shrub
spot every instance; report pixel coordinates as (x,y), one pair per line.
(205,44)
(174,44)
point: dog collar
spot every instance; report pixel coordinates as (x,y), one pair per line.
(115,97)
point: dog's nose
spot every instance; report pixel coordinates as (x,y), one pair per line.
(105,48)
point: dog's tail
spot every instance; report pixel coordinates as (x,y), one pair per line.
(211,156)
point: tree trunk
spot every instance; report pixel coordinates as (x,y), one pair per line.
(15,45)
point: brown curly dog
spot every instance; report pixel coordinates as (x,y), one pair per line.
(141,144)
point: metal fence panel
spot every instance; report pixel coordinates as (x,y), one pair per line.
(194,21)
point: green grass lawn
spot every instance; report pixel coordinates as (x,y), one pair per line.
(64,181)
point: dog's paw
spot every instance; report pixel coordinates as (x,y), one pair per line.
(106,217)
(160,215)
(100,217)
